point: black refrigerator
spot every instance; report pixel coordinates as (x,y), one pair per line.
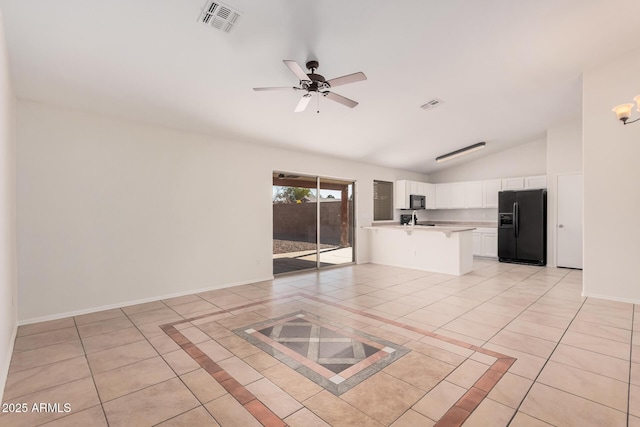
(522,227)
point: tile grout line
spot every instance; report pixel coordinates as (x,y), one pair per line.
(158,355)
(391,322)
(261,413)
(68,382)
(450,412)
(104,414)
(494,381)
(147,339)
(200,404)
(449,417)
(180,337)
(547,361)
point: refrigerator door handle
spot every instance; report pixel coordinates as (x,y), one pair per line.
(515,219)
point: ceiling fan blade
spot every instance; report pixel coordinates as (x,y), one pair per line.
(340,99)
(351,78)
(258,89)
(296,69)
(302,105)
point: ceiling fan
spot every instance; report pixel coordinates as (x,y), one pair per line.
(315,83)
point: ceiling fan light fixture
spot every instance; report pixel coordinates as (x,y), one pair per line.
(461,152)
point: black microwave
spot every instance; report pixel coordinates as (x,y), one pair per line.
(417,202)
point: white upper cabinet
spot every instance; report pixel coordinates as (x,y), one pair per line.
(539,181)
(525,182)
(473,194)
(443,196)
(513,183)
(490,190)
(403,189)
(413,188)
(400,195)
(466,195)
(457,195)
(462,195)
(430,194)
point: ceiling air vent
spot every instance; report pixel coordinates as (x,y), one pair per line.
(435,102)
(219,16)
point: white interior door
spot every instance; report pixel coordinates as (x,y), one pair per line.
(569,223)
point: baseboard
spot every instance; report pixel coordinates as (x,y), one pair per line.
(610,298)
(4,370)
(138,301)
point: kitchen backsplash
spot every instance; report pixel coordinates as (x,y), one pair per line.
(458,215)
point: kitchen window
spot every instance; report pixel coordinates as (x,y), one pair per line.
(382,200)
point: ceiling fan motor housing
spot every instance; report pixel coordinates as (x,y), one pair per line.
(318,82)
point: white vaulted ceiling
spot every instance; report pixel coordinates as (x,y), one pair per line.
(506,70)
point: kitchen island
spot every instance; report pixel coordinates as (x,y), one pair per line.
(439,249)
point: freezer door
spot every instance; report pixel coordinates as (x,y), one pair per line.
(531,226)
(506,226)
(506,199)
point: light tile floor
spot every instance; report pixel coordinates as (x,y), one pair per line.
(503,345)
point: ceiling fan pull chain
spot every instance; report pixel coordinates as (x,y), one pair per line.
(318,104)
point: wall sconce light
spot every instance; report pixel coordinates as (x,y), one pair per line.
(461,152)
(623,111)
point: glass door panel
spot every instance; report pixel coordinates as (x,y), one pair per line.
(294,223)
(336,222)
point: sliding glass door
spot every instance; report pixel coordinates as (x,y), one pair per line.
(336,222)
(313,222)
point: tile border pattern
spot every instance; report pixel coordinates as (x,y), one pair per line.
(337,384)
(455,416)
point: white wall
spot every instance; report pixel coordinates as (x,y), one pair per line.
(611,176)
(112,211)
(8,264)
(564,155)
(525,159)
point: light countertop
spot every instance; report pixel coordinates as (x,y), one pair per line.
(421,228)
(483,224)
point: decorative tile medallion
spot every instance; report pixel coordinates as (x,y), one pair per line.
(333,356)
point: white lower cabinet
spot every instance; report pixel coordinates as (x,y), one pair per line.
(477,244)
(490,245)
(485,242)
